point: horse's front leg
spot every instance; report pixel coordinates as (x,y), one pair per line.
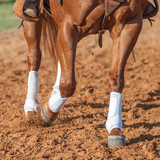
(67,39)
(32,33)
(124,35)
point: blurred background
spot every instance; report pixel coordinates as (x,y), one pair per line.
(7,18)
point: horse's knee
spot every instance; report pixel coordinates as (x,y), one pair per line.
(67,87)
(116,81)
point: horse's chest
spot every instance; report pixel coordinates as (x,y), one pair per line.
(93,21)
(82,10)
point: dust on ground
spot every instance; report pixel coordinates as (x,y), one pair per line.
(79,131)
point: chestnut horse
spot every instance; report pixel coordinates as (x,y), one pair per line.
(66,25)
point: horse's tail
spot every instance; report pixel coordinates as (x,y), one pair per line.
(49,36)
(153,13)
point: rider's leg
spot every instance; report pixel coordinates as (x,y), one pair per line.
(32,32)
(30,8)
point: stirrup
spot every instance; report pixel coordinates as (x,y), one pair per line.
(18,10)
(150,8)
(30,9)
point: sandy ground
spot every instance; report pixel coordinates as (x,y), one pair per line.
(79,131)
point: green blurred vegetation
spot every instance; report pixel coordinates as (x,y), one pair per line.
(6,1)
(7,18)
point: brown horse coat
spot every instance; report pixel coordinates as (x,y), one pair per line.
(75,20)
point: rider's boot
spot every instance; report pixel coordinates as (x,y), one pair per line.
(30,9)
(149,8)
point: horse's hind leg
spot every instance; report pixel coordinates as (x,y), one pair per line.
(124,35)
(32,33)
(66,48)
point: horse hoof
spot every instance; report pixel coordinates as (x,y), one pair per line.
(116,141)
(47,118)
